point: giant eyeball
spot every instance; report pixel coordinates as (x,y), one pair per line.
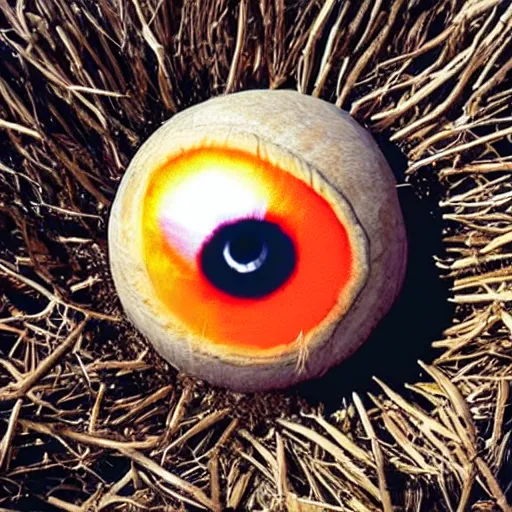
(256,239)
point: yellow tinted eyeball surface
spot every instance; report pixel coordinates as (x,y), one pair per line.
(256,239)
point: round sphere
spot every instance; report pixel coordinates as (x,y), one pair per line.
(256,239)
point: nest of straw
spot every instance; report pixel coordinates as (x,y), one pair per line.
(92,420)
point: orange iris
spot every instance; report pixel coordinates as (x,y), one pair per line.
(199,190)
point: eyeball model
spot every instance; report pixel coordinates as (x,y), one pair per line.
(256,239)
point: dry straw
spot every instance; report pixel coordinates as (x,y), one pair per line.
(92,420)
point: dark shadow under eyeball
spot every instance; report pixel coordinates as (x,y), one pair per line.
(249,258)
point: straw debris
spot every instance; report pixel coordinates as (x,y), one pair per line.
(91,419)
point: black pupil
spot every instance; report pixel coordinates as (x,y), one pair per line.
(249,258)
(246,248)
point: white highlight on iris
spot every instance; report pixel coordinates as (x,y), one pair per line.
(205,200)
